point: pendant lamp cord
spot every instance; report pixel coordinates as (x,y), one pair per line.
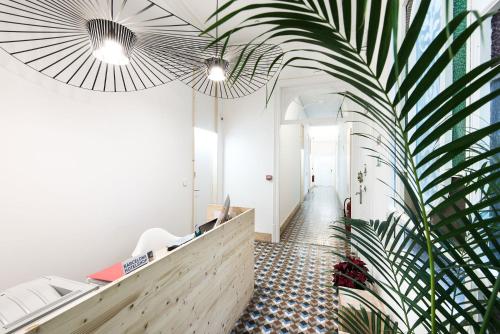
(217,29)
(112,14)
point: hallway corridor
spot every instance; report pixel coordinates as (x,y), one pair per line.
(293,292)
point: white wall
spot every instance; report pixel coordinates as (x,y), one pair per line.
(82,173)
(249,156)
(291,145)
(251,148)
(295,111)
(307,161)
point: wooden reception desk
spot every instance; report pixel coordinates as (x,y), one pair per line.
(201,287)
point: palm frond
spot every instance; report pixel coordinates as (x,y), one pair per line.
(437,262)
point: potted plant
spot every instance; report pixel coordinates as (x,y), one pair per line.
(431,278)
(352,281)
(352,273)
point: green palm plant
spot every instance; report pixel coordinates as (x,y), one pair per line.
(437,261)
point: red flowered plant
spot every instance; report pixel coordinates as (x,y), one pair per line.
(351,274)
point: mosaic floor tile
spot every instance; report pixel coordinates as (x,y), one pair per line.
(293,292)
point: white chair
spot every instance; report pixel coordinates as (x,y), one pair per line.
(157,238)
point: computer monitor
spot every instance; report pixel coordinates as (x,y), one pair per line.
(224,214)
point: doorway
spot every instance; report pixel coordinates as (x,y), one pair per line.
(324,141)
(207,152)
(205,173)
(322,157)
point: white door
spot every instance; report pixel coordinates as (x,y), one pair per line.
(324,171)
(205,173)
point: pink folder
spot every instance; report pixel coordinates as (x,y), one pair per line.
(109,274)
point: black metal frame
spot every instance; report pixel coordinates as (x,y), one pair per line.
(51,37)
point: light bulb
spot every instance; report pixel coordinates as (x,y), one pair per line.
(111,52)
(216,73)
(216,69)
(112,43)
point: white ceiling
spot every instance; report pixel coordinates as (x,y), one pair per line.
(316,103)
(321,106)
(196,12)
(307,107)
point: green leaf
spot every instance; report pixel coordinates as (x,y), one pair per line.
(459,144)
(448,124)
(346,15)
(375,14)
(492,301)
(360,23)
(488,174)
(425,61)
(385,37)
(335,13)
(408,44)
(456,93)
(434,71)
(455,170)
(445,94)
(460,258)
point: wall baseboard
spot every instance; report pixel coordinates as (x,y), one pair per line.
(290,216)
(266,237)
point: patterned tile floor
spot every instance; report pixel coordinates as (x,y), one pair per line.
(292,279)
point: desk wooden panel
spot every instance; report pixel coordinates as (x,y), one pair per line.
(201,287)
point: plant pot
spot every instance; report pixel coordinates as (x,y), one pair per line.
(350,308)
